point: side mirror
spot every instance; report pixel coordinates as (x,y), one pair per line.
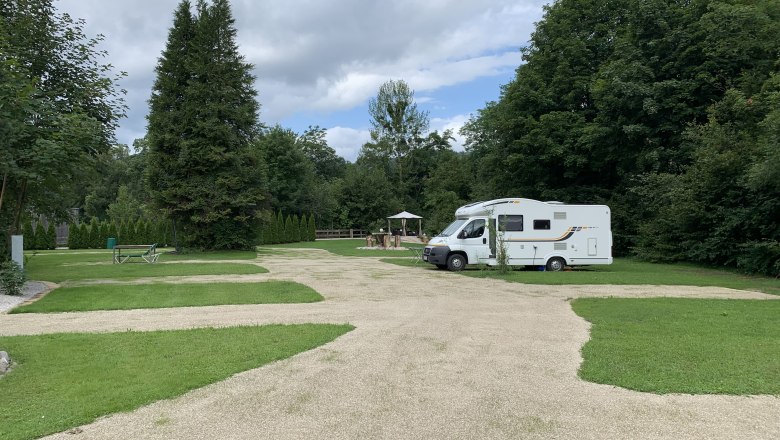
(462,234)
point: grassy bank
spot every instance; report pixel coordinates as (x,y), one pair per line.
(625,272)
(672,345)
(58,266)
(343,247)
(65,380)
(149,296)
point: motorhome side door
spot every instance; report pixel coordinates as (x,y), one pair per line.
(474,240)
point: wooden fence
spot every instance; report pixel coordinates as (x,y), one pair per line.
(340,233)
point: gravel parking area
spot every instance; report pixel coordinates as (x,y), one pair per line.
(435,355)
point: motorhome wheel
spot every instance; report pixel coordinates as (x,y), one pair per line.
(556,264)
(456,262)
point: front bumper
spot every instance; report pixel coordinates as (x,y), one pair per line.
(436,254)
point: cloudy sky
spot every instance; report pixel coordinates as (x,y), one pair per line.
(318,62)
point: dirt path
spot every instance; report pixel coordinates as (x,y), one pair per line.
(434,355)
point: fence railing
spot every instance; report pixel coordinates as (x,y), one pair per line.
(340,233)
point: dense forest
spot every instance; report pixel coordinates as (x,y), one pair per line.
(667,111)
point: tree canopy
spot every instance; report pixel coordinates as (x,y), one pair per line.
(60,106)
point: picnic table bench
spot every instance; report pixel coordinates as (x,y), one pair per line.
(149,254)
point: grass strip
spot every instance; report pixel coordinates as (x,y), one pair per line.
(69,379)
(58,272)
(624,272)
(675,345)
(152,296)
(343,247)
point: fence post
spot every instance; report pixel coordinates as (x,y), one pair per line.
(351,234)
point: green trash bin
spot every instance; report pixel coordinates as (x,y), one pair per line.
(110,243)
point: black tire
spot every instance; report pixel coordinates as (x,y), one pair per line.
(456,262)
(556,264)
(441,266)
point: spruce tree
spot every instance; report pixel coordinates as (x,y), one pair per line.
(296,229)
(102,241)
(83,236)
(280,231)
(112,231)
(203,118)
(312,228)
(73,236)
(51,236)
(40,236)
(94,234)
(29,236)
(140,232)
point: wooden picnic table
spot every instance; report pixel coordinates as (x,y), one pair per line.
(149,255)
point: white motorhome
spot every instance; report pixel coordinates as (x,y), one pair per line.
(534,233)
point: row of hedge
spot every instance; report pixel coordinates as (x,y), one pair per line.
(96,234)
(290,230)
(39,237)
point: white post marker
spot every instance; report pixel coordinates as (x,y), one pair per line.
(17,250)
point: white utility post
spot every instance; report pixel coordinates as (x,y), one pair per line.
(17,250)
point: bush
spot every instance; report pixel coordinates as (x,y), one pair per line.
(11,278)
(761,257)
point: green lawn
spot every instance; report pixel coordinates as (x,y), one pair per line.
(58,266)
(623,272)
(70,379)
(151,296)
(672,345)
(344,247)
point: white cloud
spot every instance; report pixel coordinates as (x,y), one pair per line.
(347,141)
(317,57)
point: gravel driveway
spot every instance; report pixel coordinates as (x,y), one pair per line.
(435,355)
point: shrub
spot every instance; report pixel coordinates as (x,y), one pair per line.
(11,278)
(762,257)
(29,236)
(51,236)
(40,237)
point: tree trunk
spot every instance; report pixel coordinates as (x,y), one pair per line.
(19,206)
(2,191)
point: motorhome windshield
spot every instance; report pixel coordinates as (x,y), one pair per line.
(454,226)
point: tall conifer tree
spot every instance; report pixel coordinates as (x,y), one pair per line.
(203,118)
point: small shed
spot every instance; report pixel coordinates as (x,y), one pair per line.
(404,216)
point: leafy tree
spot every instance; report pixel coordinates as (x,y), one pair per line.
(125,207)
(63,111)
(398,127)
(202,170)
(291,175)
(606,96)
(447,189)
(367,197)
(327,164)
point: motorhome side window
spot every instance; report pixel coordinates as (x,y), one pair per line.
(510,223)
(474,229)
(541,224)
